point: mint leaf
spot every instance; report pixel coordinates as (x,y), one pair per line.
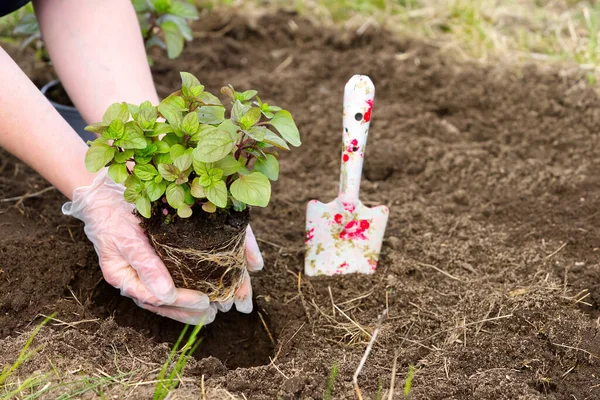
(268,166)
(168,172)
(184,211)
(145,172)
(209,207)
(142,204)
(274,140)
(211,114)
(217,194)
(250,118)
(146,118)
(171,107)
(123,156)
(214,145)
(190,123)
(97,156)
(155,190)
(238,111)
(160,128)
(175,195)
(205,180)
(229,165)
(184,10)
(177,150)
(285,125)
(246,96)
(173,38)
(96,128)
(257,133)
(133,138)
(115,130)
(183,162)
(162,147)
(253,189)
(197,189)
(118,172)
(115,111)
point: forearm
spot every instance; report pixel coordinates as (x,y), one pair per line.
(32,130)
(98,52)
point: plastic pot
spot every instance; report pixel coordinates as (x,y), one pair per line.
(70,114)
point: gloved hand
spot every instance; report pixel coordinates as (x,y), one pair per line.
(129,262)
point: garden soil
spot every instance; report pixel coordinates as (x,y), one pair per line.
(490,270)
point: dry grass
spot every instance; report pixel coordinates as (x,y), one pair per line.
(482,30)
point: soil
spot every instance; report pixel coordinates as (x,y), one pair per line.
(221,234)
(490,270)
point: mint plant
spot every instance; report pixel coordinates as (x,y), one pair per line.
(185,153)
(163,23)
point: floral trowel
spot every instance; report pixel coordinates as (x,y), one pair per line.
(344,236)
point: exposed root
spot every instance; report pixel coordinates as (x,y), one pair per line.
(196,268)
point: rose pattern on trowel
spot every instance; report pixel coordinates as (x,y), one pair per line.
(344,236)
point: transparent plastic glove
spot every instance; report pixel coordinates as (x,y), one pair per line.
(127,259)
(243,296)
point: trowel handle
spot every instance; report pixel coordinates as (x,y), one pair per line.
(358,105)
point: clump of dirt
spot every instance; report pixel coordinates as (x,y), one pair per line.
(204,252)
(491,265)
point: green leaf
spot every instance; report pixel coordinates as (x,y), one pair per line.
(211,114)
(140,6)
(238,205)
(253,189)
(161,6)
(190,83)
(123,156)
(217,194)
(190,123)
(173,38)
(171,139)
(132,194)
(134,189)
(177,150)
(160,128)
(213,146)
(97,156)
(96,128)
(133,109)
(146,118)
(171,107)
(273,139)
(175,195)
(142,159)
(142,204)
(133,138)
(183,162)
(168,172)
(155,190)
(188,199)
(246,96)
(205,180)
(229,165)
(184,211)
(209,207)
(162,159)
(268,167)
(197,189)
(115,130)
(285,125)
(208,99)
(162,147)
(257,133)
(238,111)
(148,151)
(250,118)
(116,111)
(229,126)
(145,172)
(118,172)
(184,10)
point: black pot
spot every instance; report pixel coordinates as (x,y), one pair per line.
(70,114)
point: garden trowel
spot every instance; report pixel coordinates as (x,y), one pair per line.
(344,236)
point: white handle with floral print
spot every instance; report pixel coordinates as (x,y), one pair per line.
(344,236)
(358,105)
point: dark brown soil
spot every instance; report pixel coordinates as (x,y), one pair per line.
(490,269)
(217,233)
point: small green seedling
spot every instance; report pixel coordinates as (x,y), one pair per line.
(186,153)
(328,395)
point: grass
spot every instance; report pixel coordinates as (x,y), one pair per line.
(328,395)
(39,384)
(409,379)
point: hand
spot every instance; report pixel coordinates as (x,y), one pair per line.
(127,259)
